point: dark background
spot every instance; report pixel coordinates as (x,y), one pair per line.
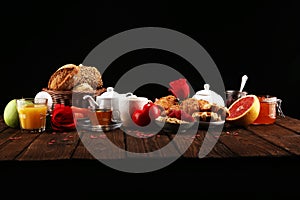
(260,39)
(257,38)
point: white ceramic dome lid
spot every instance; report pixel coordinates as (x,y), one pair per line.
(110,93)
(205,92)
(209,95)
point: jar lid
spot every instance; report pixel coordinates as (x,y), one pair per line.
(267,98)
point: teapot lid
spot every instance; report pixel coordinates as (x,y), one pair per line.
(110,93)
(209,95)
(205,92)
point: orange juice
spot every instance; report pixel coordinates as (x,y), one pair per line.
(32,113)
(33,116)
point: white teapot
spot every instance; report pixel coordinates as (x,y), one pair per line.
(107,100)
(110,96)
(209,96)
(122,105)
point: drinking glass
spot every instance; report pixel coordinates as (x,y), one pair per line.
(32,114)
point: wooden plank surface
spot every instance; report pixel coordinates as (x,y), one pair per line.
(186,144)
(161,146)
(16,142)
(3,126)
(246,144)
(7,134)
(279,136)
(135,145)
(289,123)
(278,140)
(219,150)
(81,152)
(51,146)
(99,145)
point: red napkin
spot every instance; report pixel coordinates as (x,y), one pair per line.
(180,88)
(62,118)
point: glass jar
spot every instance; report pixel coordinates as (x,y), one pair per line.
(270,106)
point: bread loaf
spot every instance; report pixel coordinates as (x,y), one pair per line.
(69,76)
(89,75)
(62,78)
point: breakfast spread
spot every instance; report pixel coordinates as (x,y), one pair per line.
(176,108)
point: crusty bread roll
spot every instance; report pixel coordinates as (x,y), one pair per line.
(62,78)
(69,76)
(89,75)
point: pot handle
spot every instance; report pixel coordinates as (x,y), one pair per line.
(128,94)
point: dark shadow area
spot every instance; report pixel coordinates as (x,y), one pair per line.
(260,39)
(87,178)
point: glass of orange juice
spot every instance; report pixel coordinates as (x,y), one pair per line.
(32,113)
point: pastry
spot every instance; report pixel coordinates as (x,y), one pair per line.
(200,110)
(206,116)
(167,103)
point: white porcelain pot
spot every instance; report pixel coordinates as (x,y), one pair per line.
(128,105)
(209,96)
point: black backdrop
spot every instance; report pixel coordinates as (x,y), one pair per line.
(260,39)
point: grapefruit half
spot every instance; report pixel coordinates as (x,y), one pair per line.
(244,111)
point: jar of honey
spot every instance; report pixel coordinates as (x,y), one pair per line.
(270,106)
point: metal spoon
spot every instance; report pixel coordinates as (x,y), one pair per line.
(244,79)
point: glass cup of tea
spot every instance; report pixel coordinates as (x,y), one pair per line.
(32,113)
(233,95)
(105,114)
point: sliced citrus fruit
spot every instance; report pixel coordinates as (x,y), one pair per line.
(244,111)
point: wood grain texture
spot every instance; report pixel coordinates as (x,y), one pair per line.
(281,139)
(279,136)
(289,123)
(246,144)
(3,126)
(161,146)
(99,145)
(51,146)
(16,142)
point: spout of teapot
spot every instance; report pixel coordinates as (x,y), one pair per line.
(92,102)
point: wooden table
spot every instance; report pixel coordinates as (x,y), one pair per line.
(266,154)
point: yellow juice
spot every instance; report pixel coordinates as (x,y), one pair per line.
(33,116)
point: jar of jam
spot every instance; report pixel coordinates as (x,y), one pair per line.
(270,106)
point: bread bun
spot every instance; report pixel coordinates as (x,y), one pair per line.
(62,78)
(69,76)
(89,75)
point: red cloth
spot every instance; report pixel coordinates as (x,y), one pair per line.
(62,118)
(180,88)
